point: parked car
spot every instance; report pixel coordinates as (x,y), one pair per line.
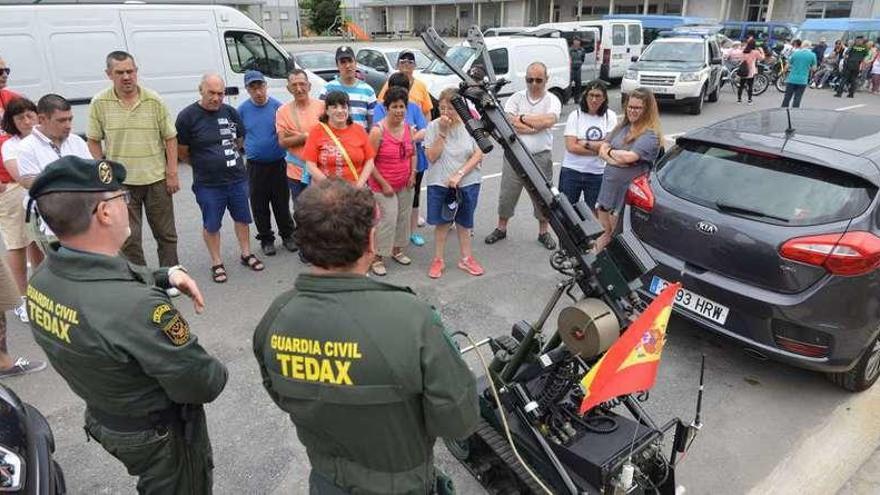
(504,31)
(844,29)
(619,41)
(772,228)
(510,56)
(683,70)
(384,59)
(653,24)
(323,64)
(174,46)
(765,33)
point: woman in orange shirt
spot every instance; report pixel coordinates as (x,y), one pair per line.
(337,147)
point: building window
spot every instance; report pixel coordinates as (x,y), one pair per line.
(267,16)
(283,16)
(628,9)
(819,9)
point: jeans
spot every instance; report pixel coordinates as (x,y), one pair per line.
(743,83)
(573,183)
(796,90)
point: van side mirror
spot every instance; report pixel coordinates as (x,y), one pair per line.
(715,61)
(634,58)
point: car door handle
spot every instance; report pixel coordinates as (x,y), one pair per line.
(231,91)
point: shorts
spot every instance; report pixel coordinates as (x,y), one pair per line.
(464,215)
(215,200)
(12,225)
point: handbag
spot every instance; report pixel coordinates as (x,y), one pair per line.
(341,151)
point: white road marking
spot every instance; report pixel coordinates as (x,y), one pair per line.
(841,109)
(493,176)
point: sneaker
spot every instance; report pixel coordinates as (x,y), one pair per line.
(751,103)
(172,292)
(850,96)
(421,222)
(21,311)
(837,95)
(812,85)
(23,366)
(436,269)
(471,266)
(739,101)
(378,267)
(268,248)
(289,244)
(417,240)
(547,241)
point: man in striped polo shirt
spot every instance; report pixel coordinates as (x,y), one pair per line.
(130,124)
(360,94)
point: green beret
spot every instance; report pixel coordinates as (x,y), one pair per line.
(75,174)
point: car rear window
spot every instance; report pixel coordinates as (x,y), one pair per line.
(763,187)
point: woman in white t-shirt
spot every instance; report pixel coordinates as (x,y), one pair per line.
(585,130)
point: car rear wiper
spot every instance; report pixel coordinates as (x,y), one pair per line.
(742,210)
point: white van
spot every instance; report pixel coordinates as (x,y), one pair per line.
(510,56)
(619,41)
(62,49)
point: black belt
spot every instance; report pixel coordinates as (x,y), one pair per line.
(169,418)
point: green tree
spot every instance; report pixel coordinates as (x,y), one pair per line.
(323,14)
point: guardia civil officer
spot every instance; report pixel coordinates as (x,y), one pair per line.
(110,330)
(366,370)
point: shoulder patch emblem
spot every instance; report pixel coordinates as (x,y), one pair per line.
(172,324)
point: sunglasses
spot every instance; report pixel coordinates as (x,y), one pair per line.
(406,61)
(534,80)
(5,70)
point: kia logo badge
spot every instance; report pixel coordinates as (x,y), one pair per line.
(707,228)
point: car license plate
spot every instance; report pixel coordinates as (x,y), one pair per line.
(658,90)
(692,302)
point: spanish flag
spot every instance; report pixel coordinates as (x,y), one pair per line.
(630,365)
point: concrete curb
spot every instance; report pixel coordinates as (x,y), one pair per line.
(822,462)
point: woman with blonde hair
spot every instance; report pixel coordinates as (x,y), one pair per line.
(630,151)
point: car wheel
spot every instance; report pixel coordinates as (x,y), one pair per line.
(697,106)
(864,373)
(713,96)
(559,94)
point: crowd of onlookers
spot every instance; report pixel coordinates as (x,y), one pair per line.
(846,67)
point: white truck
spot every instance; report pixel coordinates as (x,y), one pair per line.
(62,49)
(683,70)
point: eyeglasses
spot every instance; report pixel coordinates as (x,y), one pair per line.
(630,107)
(125,195)
(406,62)
(534,80)
(5,70)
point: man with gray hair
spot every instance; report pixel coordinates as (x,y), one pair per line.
(210,135)
(137,130)
(532,112)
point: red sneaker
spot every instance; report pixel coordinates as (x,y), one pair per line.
(471,266)
(436,269)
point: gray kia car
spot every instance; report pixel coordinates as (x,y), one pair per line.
(770,220)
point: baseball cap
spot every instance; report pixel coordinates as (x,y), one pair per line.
(252,76)
(406,55)
(344,51)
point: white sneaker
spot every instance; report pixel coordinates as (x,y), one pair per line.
(173,292)
(21,311)
(421,222)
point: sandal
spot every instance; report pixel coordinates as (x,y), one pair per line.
(401,258)
(218,273)
(496,236)
(252,262)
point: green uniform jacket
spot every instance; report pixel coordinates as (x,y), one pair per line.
(370,379)
(112,333)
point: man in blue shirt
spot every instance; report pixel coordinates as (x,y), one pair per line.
(267,169)
(801,63)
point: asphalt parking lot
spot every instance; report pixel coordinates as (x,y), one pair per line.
(768,428)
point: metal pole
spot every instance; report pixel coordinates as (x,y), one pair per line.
(550,15)
(769,14)
(610,6)
(580,8)
(645,8)
(684,7)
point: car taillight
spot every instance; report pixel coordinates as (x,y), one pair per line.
(639,194)
(849,254)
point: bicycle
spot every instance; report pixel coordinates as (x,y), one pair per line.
(759,85)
